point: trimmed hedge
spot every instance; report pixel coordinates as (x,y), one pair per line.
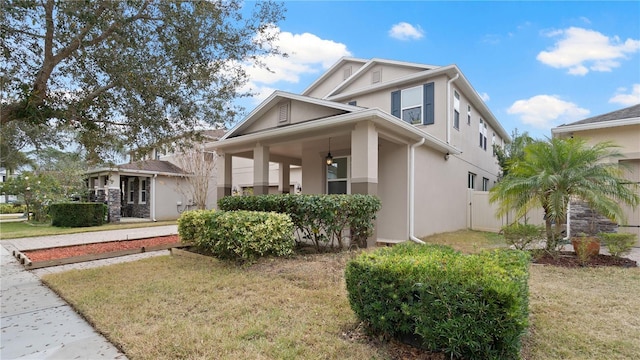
(320,219)
(468,306)
(12,208)
(77,214)
(238,235)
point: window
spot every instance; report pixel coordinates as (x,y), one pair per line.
(471,181)
(143,191)
(456,119)
(483,134)
(469,115)
(414,105)
(485,184)
(493,144)
(131,193)
(352,103)
(338,174)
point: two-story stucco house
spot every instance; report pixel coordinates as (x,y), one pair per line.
(417,136)
(623,128)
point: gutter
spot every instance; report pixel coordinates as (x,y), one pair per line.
(412,182)
(449,106)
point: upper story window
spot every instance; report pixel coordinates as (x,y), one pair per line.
(414,105)
(471,180)
(485,184)
(483,134)
(456,110)
(468,114)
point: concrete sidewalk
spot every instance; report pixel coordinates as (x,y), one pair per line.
(36,323)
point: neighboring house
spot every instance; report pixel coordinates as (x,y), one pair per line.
(623,128)
(417,136)
(158,187)
(5,176)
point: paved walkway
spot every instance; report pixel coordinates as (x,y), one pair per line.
(36,323)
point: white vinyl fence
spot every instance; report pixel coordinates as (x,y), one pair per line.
(481,215)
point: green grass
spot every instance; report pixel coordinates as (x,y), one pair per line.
(15,230)
(177,307)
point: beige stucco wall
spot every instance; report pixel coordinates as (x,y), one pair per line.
(393,191)
(440,193)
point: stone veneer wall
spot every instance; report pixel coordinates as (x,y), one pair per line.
(582,216)
(136,210)
(114,205)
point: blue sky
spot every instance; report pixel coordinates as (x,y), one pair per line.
(537,64)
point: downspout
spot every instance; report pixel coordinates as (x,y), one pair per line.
(449,106)
(153,197)
(412,161)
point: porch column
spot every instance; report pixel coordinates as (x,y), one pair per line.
(364,159)
(285,179)
(114,202)
(364,165)
(224,166)
(260,170)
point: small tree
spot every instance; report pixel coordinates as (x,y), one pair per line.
(553,171)
(37,191)
(200,165)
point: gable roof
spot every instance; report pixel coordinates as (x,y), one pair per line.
(373,62)
(148,167)
(274,99)
(335,67)
(627,116)
(159,166)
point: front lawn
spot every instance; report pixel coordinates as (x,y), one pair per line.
(23,229)
(175,307)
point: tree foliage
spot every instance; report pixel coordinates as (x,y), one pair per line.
(512,151)
(128,73)
(552,172)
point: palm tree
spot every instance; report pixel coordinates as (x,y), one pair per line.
(553,171)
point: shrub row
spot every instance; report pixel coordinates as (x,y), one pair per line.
(468,306)
(320,219)
(12,208)
(77,214)
(238,235)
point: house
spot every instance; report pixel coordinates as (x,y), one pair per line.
(161,184)
(623,128)
(417,136)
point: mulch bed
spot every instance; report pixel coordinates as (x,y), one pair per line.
(570,260)
(98,248)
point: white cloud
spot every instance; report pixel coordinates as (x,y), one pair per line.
(308,54)
(581,50)
(546,111)
(405,31)
(628,99)
(484,96)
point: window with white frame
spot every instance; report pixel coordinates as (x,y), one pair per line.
(483,134)
(485,184)
(471,181)
(456,110)
(338,174)
(142,199)
(493,144)
(469,115)
(130,191)
(411,105)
